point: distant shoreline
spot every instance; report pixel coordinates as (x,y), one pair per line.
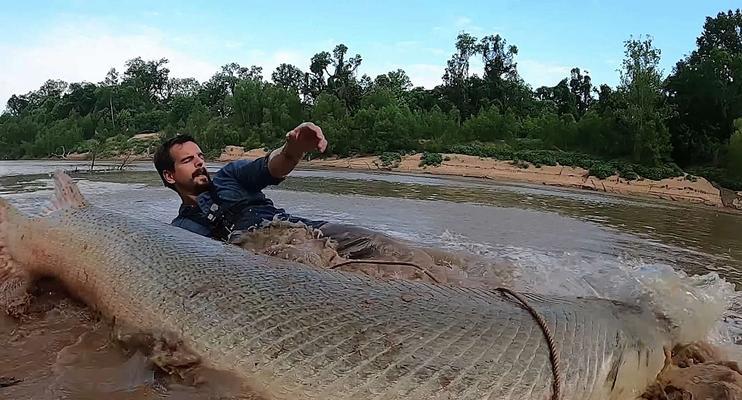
(680,189)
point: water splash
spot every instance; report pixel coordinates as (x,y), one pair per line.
(702,307)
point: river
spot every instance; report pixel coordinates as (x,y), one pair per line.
(687,259)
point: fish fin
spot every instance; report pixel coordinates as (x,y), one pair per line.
(14,279)
(66,194)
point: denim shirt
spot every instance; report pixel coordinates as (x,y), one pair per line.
(238,181)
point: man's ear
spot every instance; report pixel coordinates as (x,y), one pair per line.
(169,178)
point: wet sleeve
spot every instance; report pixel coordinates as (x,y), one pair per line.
(252,175)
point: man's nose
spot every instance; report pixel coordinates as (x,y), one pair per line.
(199,162)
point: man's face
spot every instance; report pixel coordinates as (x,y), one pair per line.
(190,175)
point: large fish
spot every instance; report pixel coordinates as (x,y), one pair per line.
(291,331)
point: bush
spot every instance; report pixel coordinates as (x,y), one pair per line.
(526,144)
(490,124)
(670,170)
(597,167)
(433,159)
(500,152)
(390,159)
(626,171)
(602,170)
(151,121)
(720,176)
(734,151)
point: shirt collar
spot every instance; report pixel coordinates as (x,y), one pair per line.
(203,202)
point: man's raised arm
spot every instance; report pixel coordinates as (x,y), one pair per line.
(304,138)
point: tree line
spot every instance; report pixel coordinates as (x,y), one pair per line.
(647,125)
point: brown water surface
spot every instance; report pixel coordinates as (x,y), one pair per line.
(687,259)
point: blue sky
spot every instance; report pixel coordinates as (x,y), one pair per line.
(80,40)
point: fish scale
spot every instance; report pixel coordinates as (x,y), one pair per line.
(293,331)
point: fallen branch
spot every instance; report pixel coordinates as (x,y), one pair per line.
(63,155)
(124,162)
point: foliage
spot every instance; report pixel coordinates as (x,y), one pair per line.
(638,129)
(390,159)
(734,153)
(705,88)
(721,176)
(434,159)
(645,113)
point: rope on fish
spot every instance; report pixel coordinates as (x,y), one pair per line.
(553,353)
(550,342)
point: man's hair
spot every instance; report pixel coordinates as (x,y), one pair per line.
(164,160)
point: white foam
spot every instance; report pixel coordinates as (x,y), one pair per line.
(704,307)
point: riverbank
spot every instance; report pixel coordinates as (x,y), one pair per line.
(695,190)
(687,188)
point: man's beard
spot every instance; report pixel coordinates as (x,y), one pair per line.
(198,185)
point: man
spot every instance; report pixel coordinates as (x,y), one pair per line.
(233,200)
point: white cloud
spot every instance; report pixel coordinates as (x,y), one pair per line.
(462,22)
(85,52)
(232,44)
(76,52)
(288,57)
(425,75)
(539,73)
(437,51)
(406,44)
(270,60)
(467,24)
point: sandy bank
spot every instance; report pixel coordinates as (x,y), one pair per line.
(698,191)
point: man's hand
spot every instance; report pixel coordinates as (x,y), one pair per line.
(302,139)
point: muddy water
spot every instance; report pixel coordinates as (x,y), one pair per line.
(686,260)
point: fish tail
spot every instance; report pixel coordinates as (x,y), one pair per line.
(14,278)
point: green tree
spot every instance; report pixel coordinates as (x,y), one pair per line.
(706,90)
(386,114)
(560,98)
(455,78)
(288,76)
(490,125)
(341,81)
(646,112)
(498,58)
(581,87)
(198,121)
(397,83)
(734,154)
(147,79)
